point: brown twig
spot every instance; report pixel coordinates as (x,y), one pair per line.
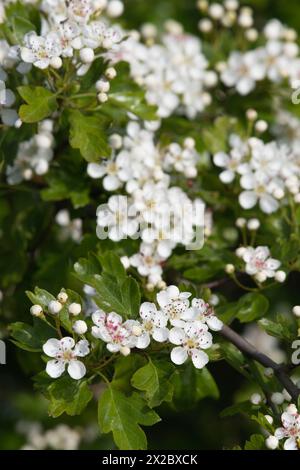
(279,370)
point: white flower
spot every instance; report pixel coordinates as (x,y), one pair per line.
(65,353)
(233,163)
(148,263)
(290,430)
(153,324)
(173,303)
(111,329)
(258,262)
(244,70)
(257,186)
(119,218)
(190,341)
(39,51)
(113,170)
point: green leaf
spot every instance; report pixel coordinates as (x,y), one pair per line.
(155,380)
(125,367)
(122,415)
(40,103)
(87,133)
(133,102)
(64,394)
(244,407)
(40,297)
(257,442)
(192,385)
(21,26)
(251,307)
(284,328)
(31,337)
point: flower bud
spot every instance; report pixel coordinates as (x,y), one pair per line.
(229,268)
(80,327)
(54,307)
(102,97)
(114,9)
(277,398)
(256,399)
(62,297)
(240,222)
(260,277)
(272,442)
(253,224)
(56,62)
(125,351)
(36,310)
(261,126)
(102,86)
(87,55)
(110,73)
(74,309)
(269,419)
(280,276)
(296,310)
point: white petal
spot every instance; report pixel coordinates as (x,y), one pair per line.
(247,199)
(290,444)
(147,310)
(160,334)
(82,348)
(179,355)
(143,341)
(67,343)
(268,204)
(221,159)
(176,336)
(111,183)
(199,358)
(76,369)
(55,368)
(52,347)
(98,317)
(27,55)
(94,170)
(227,176)
(245,85)
(214,323)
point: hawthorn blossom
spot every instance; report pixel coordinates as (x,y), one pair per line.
(118,217)
(65,353)
(148,263)
(40,51)
(290,430)
(111,329)
(259,263)
(173,303)
(190,340)
(153,325)
(257,190)
(244,70)
(33,155)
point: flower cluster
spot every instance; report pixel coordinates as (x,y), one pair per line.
(33,156)
(267,172)
(162,215)
(70,30)
(9,116)
(259,264)
(176,321)
(189,322)
(69,228)
(173,73)
(276,61)
(290,430)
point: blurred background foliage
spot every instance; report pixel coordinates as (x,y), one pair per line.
(26,221)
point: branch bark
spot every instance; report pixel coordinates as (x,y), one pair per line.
(279,370)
